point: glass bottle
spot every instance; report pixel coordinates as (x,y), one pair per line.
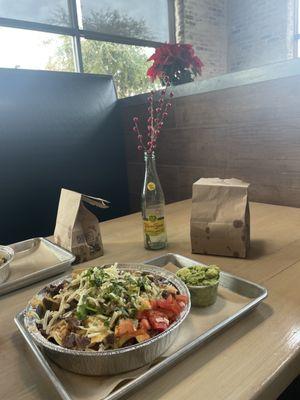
(153,207)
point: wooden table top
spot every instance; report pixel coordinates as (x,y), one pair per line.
(254,359)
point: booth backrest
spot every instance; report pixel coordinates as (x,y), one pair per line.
(56,130)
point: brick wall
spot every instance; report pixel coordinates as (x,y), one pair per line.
(203,23)
(250,132)
(232,35)
(259,32)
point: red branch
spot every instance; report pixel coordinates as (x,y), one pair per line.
(147,141)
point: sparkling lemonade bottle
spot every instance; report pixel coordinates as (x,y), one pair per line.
(153,207)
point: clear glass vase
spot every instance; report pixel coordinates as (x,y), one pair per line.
(153,207)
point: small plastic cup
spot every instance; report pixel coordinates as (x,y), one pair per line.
(203,296)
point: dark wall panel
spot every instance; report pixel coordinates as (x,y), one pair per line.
(56,130)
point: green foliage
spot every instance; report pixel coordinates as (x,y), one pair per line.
(127,64)
(113,23)
(63,59)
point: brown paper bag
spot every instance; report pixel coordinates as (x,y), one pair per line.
(220,219)
(77,228)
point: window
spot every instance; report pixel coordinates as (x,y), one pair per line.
(42,11)
(20,48)
(297,25)
(94,36)
(131,18)
(125,62)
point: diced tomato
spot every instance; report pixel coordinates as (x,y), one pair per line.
(181,304)
(158,320)
(153,303)
(167,310)
(141,314)
(170,299)
(181,298)
(125,327)
(144,324)
(169,304)
(169,314)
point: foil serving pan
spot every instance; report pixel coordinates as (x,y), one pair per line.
(8,254)
(111,362)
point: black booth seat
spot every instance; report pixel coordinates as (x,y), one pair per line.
(57,130)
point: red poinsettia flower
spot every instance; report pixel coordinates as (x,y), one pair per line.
(153,72)
(172,59)
(165,55)
(197,64)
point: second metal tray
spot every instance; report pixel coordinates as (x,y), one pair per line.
(34,260)
(251,292)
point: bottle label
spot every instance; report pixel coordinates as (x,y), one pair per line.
(154,226)
(151,186)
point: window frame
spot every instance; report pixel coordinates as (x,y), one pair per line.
(76,33)
(297,26)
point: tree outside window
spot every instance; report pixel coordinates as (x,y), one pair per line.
(127,63)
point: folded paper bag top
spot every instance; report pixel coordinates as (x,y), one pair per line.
(220,218)
(77,228)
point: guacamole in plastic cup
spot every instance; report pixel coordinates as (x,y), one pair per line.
(202,282)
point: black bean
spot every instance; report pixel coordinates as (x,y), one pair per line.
(109,340)
(69,341)
(82,341)
(50,304)
(130,342)
(73,304)
(73,323)
(55,289)
(40,311)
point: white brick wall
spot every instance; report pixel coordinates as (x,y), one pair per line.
(231,35)
(204,24)
(259,32)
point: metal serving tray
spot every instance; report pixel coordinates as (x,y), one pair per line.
(34,260)
(251,292)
